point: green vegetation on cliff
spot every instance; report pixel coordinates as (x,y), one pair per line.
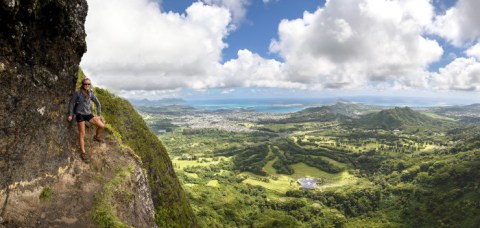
(168,196)
(103,210)
(171,205)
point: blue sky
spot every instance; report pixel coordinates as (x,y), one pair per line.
(262,20)
(259,25)
(207,48)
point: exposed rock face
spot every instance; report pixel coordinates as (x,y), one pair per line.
(41,45)
(112,189)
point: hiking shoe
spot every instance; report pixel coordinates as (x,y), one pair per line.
(98,139)
(85,158)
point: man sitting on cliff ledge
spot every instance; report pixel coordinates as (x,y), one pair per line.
(80,107)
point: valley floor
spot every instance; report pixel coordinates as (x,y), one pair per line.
(243,169)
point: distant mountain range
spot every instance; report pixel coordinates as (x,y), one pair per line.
(156,103)
(350,114)
(166,109)
(368,117)
(458,110)
(468,114)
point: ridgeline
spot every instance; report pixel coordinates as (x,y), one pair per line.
(44,183)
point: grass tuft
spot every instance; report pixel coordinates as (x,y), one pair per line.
(103,212)
(46,194)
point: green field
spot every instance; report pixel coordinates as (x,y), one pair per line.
(213,183)
(336,163)
(182,164)
(269,168)
(302,170)
(282,183)
(192,175)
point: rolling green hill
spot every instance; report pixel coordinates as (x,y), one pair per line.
(340,111)
(397,118)
(317,114)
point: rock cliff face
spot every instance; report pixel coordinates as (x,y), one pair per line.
(41,44)
(110,191)
(43,182)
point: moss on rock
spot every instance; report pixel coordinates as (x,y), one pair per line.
(168,196)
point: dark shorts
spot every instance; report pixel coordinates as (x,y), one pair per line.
(81,118)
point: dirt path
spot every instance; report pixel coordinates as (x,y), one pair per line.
(79,187)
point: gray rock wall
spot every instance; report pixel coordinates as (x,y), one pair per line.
(41,45)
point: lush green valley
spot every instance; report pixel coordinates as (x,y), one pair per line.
(386,168)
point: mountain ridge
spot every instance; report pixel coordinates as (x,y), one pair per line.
(396,118)
(167,193)
(41,45)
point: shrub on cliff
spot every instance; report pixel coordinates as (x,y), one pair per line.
(168,196)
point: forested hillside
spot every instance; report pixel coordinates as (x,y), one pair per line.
(395,167)
(397,118)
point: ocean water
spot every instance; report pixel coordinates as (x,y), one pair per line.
(288,105)
(272,105)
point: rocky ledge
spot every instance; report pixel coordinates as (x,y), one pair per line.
(43,181)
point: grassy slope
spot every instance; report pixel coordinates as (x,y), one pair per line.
(169,198)
(321,114)
(171,205)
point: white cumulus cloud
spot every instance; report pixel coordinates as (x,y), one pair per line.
(251,70)
(354,43)
(132,45)
(237,7)
(474,51)
(150,94)
(139,51)
(460,74)
(459,24)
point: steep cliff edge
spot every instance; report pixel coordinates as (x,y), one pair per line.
(41,44)
(171,206)
(111,191)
